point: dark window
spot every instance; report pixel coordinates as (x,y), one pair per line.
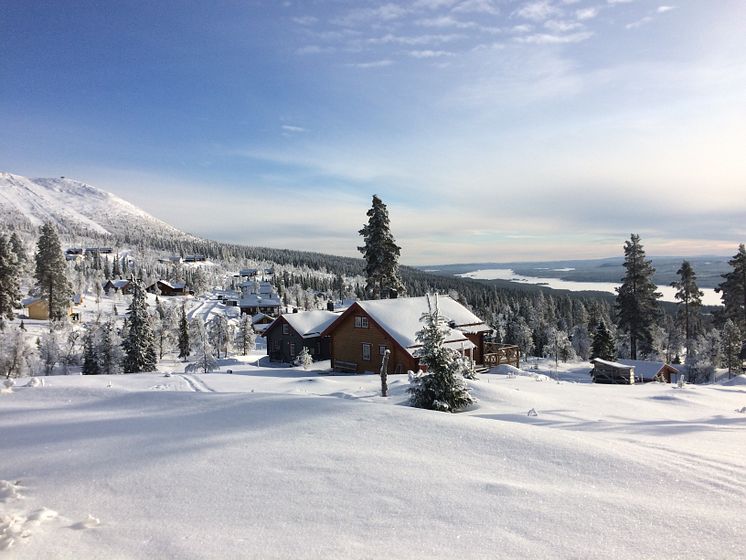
(382,349)
(285,328)
(277,344)
(366,351)
(292,348)
(361,322)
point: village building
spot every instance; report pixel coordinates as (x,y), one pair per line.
(260,322)
(289,333)
(363,333)
(38,308)
(166,288)
(646,371)
(259,297)
(605,371)
(117,286)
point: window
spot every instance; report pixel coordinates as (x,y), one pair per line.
(277,344)
(366,351)
(285,328)
(361,322)
(292,348)
(382,349)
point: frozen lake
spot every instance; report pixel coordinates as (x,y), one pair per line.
(709,297)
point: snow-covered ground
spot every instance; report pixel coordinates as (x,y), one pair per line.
(274,462)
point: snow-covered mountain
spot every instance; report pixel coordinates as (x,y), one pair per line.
(75,208)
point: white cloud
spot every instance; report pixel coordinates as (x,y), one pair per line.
(314,49)
(561,26)
(384,12)
(372,63)
(551,39)
(477,6)
(664,9)
(446,21)
(538,11)
(305,20)
(586,13)
(413,39)
(639,23)
(293,128)
(429,54)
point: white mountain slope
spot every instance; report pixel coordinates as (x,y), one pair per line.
(74,207)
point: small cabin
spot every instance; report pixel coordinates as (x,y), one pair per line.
(613,373)
(122,286)
(646,371)
(166,288)
(289,333)
(37,308)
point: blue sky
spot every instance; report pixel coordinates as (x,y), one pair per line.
(494,130)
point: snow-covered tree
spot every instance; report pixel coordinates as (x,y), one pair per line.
(109,348)
(49,350)
(441,387)
(690,300)
(245,337)
(702,359)
(304,358)
(731,342)
(581,341)
(381,254)
(164,328)
(51,278)
(139,345)
(90,356)
(202,351)
(603,343)
(221,335)
(184,343)
(9,281)
(637,298)
(15,353)
(733,290)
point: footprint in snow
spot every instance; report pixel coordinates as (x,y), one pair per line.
(88,523)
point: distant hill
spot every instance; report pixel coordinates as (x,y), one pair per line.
(75,208)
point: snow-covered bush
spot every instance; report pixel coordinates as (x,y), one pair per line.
(304,358)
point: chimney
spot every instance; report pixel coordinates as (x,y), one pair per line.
(330,305)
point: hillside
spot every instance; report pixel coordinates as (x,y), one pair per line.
(75,208)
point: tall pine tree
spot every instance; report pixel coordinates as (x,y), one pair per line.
(733,290)
(139,346)
(184,344)
(381,254)
(637,298)
(690,300)
(50,273)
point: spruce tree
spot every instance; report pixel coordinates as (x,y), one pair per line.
(733,290)
(109,350)
(204,356)
(184,345)
(10,294)
(442,387)
(637,298)
(245,338)
(139,346)
(603,343)
(90,359)
(381,254)
(50,273)
(690,300)
(731,348)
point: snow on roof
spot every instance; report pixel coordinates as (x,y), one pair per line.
(400,317)
(253,300)
(612,364)
(119,284)
(260,316)
(29,300)
(173,285)
(310,323)
(644,368)
(473,329)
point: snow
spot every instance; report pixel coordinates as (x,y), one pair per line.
(310,323)
(273,462)
(644,368)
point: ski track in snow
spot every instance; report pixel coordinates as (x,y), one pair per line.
(196,384)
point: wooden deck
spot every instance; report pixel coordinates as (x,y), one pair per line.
(496,354)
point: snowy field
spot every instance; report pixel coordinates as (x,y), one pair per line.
(272,462)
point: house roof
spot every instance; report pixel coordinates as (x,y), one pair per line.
(647,369)
(254,300)
(400,318)
(173,285)
(260,316)
(617,365)
(309,324)
(118,284)
(29,301)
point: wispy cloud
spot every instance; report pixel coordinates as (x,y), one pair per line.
(540,11)
(553,39)
(372,63)
(664,9)
(429,54)
(315,49)
(562,26)
(477,6)
(587,13)
(293,128)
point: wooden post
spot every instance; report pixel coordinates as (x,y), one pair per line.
(384,373)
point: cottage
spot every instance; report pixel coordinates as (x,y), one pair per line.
(166,288)
(259,297)
(605,371)
(290,332)
(118,286)
(37,308)
(363,333)
(653,371)
(260,322)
